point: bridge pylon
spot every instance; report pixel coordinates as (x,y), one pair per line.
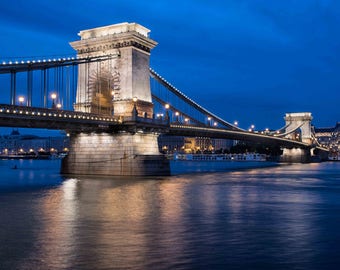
(120,79)
(116,83)
(299,124)
(298,127)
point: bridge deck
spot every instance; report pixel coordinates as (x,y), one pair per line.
(33,117)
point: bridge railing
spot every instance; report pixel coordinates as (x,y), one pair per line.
(161,122)
(16,112)
(37,112)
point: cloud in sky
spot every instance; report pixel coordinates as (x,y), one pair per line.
(250,60)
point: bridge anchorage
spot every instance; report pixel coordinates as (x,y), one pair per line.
(121,106)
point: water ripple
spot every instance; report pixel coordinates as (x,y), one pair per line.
(284,217)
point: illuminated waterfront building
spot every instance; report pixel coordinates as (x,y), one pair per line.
(15,143)
(329,137)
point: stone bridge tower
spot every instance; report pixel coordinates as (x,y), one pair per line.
(298,127)
(122,73)
(299,122)
(113,80)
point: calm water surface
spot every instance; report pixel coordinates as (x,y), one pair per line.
(285,217)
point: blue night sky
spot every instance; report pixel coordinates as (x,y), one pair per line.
(245,60)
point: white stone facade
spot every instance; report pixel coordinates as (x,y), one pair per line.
(114,81)
(302,121)
(115,154)
(104,86)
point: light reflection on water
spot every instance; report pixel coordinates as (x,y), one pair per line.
(285,217)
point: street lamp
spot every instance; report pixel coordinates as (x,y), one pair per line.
(209,121)
(53,96)
(58,106)
(21,100)
(177,116)
(167,117)
(236,123)
(134,111)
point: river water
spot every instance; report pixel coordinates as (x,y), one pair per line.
(284,217)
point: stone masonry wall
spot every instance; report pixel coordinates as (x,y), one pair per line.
(115,154)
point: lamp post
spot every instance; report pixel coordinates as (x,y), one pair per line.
(177,117)
(134,110)
(167,117)
(251,129)
(53,96)
(58,106)
(21,100)
(209,121)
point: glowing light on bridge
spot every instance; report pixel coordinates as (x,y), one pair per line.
(53,96)
(21,100)
(177,117)
(209,120)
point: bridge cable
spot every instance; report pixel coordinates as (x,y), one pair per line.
(290,132)
(191,102)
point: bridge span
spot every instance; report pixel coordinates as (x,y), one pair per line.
(73,121)
(115,107)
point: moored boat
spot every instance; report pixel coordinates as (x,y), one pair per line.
(220,157)
(193,163)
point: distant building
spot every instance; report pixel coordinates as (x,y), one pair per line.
(329,137)
(16,143)
(171,144)
(222,144)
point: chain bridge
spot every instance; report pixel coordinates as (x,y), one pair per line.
(114,106)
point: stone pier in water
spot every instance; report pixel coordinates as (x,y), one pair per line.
(118,84)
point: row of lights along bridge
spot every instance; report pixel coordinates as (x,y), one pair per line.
(210,122)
